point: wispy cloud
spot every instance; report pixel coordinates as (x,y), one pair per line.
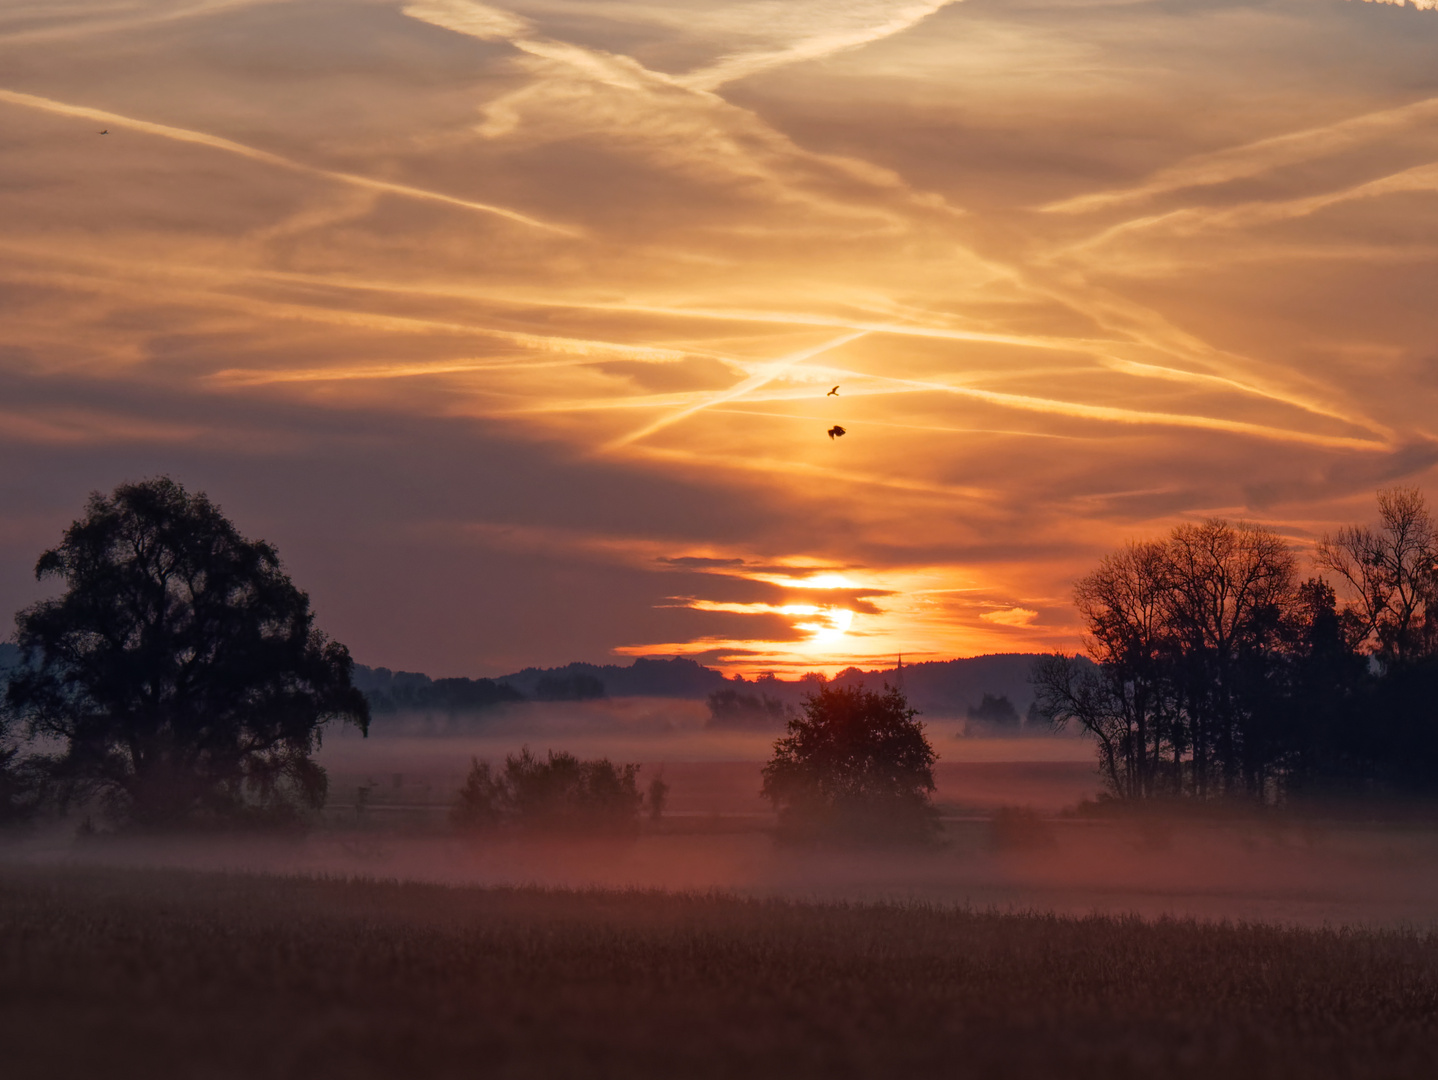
(536,304)
(466,17)
(576,91)
(1421,5)
(1014,616)
(829,27)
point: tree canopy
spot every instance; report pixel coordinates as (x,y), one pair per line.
(855,764)
(180,672)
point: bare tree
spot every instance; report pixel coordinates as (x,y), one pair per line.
(1126,703)
(1100,703)
(1391,575)
(1231,594)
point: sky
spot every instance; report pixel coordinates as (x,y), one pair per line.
(513,325)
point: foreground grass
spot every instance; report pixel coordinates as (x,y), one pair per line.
(164,973)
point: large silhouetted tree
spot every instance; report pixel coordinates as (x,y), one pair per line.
(855,764)
(180,672)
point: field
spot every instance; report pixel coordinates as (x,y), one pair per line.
(135,973)
(1030,943)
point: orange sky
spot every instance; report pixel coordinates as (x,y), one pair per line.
(513,325)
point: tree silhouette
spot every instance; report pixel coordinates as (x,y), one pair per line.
(855,764)
(181,671)
(1392,574)
(998,711)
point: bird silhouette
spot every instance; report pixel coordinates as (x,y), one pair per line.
(105,132)
(833,393)
(835,431)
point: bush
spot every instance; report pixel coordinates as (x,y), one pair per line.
(855,766)
(560,793)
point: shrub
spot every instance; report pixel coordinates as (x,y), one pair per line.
(658,797)
(559,793)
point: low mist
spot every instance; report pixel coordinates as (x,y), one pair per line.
(1012,838)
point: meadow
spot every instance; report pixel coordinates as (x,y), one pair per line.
(144,973)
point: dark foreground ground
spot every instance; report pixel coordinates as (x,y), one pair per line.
(132,973)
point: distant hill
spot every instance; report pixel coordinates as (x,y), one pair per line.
(952,687)
(941,687)
(679,677)
(936,687)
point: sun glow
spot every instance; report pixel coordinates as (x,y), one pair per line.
(826,625)
(817,581)
(828,634)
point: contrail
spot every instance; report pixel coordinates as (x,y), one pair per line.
(1192,221)
(1118,415)
(214,142)
(768,374)
(1252,159)
(71,27)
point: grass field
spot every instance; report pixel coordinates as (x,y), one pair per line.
(136,973)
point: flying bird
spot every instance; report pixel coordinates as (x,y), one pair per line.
(833,393)
(105,132)
(835,431)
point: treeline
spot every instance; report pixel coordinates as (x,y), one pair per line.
(408,691)
(986,689)
(677,677)
(937,688)
(402,691)
(1220,670)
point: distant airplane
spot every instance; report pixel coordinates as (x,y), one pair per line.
(835,431)
(833,392)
